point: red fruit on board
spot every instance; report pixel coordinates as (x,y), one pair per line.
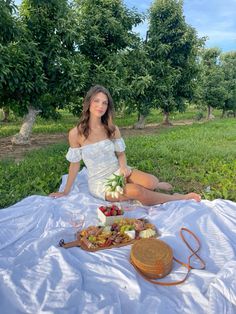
(102,208)
(113,212)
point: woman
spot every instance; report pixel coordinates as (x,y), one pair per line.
(98,142)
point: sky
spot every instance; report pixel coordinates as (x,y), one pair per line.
(215,19)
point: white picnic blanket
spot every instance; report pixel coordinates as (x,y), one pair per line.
(37,276)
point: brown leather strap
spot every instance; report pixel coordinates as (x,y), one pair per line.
(187,265)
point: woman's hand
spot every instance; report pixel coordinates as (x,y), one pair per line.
(125,171)
(58,194)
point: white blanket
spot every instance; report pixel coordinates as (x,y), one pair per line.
(37,276)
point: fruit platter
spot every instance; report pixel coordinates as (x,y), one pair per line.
(122,232)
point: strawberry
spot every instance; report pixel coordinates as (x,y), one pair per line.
(102,208)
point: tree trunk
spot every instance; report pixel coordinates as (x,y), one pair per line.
(23,137)
(166,120)
(6,113)
(141,122)
(223,113)
(122,110)
(210,116)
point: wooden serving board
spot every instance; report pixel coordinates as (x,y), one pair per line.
(84,247)
(79,242)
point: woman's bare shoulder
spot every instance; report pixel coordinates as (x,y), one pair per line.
(117,133)
(75,138)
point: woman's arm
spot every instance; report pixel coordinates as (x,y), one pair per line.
(123,164)
(73,168)
(122,157)
(73,171)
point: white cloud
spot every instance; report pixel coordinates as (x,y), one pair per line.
(212,18)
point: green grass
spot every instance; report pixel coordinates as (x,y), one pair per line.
(192,158)
(67,121)
(155,116)
(39,173)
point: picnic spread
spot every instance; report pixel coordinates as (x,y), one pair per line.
(99,275)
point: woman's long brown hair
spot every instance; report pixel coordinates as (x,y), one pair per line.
(83,125)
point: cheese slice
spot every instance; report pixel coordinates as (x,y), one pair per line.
(148,233)
(130,233)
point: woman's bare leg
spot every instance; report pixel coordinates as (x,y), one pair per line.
(147,180)
(148,197)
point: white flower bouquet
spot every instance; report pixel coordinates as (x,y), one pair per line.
(115,185)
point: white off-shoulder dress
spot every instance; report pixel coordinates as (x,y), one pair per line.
(100,160)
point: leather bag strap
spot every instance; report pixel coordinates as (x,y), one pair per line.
(187,265)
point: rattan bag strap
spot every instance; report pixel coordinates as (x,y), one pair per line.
(187,265)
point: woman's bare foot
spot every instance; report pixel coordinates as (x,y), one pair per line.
(164,186)
(189,196)
(193,196)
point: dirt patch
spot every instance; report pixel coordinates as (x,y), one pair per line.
(17,152)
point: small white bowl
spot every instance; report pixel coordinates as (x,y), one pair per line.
(108,220)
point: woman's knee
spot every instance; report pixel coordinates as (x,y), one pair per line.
(147,180)
(152,182)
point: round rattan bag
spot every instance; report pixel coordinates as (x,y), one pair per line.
(152,257)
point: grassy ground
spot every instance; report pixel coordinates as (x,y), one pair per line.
(67,121)
(200,157)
